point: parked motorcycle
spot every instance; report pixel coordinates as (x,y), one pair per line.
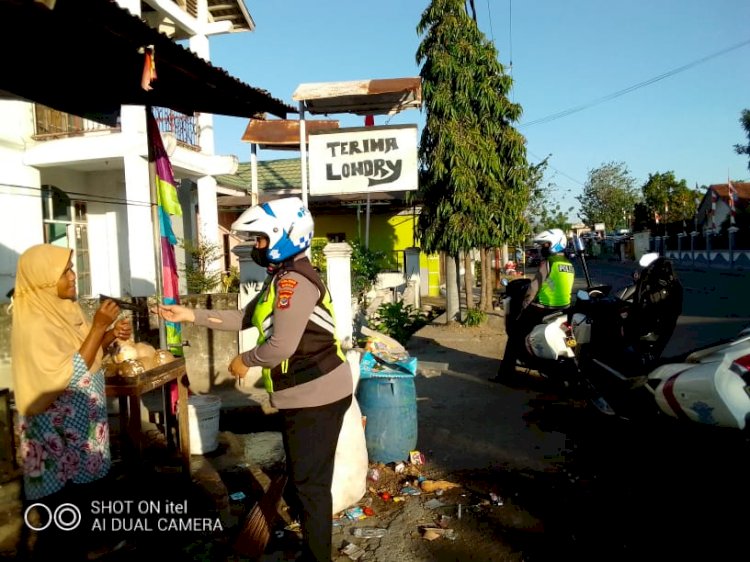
(549,352)
(611,345)
(627,328)
(711,387)
(620,336)
(550,346)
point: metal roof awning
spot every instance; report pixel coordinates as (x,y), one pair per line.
(283,134)
(385,96)
(84,57)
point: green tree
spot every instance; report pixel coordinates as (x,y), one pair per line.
(199,257)
(609,195)
(472,190)
(741,148)
(366,264)
(672,199)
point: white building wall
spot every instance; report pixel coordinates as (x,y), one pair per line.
(141,252)
(107,229)
(121,237)
(20,202)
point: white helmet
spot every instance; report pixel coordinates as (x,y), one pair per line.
(286,222)
(555,237)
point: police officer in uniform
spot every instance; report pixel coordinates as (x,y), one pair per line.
(304,369)
(550,290)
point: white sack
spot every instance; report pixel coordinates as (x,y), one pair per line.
(351,462)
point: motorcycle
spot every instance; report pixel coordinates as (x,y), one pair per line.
(549,346)
(615,341)
(622,358)
(620,336)
(628,328)
(711,386)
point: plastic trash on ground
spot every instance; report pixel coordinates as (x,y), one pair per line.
(353,551)
(369,532)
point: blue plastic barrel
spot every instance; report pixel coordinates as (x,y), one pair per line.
(390,404)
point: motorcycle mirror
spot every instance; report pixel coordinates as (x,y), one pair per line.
(582,295)
(577,244)
(648,259)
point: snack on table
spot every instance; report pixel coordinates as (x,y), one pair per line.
(122,350)
(162,357)
(131,368)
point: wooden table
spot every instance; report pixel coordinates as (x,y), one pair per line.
(129,392)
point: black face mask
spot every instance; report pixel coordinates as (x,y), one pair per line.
(545,252)
(260,256)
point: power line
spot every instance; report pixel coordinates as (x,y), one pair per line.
(489,14)
(510,37)
(571,178)
(576,109)
(89,198)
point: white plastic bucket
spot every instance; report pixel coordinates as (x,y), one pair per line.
(203,422)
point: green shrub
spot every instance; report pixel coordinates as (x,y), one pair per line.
(317,257)
(230,280)
(398,321)
(366,264)
(475,317)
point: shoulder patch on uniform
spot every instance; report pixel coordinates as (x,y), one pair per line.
(287,283)
(284,298)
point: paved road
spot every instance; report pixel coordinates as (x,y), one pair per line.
(599,488)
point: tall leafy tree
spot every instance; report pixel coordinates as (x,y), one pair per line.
(671,198)
(609,195)
(742,148)
(473,190)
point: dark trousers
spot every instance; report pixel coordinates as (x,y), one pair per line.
(515,346)
(310,437)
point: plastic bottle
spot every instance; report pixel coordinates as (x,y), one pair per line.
(368,532)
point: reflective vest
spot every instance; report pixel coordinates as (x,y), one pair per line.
(557,287)
(319,351)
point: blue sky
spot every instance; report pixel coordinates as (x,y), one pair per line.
(564,55)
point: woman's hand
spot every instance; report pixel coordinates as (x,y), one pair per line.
(99,336)
(122,329)
(107,313)
(238,368)
(174,313)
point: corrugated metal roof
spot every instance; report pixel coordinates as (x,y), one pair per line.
(384,96)
(282,134)
(86,61)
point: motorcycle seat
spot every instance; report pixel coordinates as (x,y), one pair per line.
(626,293)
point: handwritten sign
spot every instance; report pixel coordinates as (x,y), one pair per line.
(363,159)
